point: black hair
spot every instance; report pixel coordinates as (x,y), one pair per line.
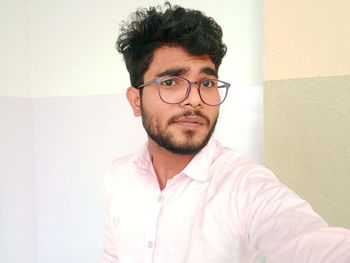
(149,29)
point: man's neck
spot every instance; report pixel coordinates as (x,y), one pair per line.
(167,164)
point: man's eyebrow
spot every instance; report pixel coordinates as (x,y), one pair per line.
(181,71)
(172,72)
(209,71)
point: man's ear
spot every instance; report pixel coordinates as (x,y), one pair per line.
(133,96)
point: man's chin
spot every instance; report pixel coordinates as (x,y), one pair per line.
(184,146)
(179,141)
(191,149)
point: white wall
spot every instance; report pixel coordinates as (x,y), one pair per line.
(72,44)
(76,137)
(17,172)
(75,81)
(17,182)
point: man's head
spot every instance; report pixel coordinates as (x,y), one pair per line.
(149,29)
(180,43)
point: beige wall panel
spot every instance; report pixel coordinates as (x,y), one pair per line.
(306,38)
(307,141)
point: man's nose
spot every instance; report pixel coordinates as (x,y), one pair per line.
(193,99)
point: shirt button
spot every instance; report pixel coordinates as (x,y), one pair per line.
(150,244)
(160,198)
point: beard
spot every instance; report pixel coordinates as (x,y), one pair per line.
(167,140)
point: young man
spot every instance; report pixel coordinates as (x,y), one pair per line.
(183,198)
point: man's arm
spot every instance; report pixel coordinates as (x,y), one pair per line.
(284,228)
(328,245)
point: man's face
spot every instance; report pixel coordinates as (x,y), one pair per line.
(183,128)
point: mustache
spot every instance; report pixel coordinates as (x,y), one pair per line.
(187,113)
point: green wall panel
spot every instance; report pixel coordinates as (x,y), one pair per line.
(307,141)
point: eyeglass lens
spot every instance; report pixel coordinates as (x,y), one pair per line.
(175,90)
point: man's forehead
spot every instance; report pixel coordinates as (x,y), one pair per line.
(177,61)
(178,71)
(173,51)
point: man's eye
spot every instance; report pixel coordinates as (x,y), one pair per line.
(169,82)
(207,83)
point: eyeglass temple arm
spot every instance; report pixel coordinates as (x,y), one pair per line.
(146,84)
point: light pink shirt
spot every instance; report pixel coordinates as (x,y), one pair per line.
(221,208)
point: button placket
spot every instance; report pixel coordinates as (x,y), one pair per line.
(152,234)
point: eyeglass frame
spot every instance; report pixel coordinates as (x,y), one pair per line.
(188,90)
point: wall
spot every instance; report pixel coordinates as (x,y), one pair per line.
(17,171)
(72,44)
(76,137)
(17,182)
(15,49)
(66,116)
(307,101)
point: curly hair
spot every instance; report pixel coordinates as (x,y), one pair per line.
(149,29)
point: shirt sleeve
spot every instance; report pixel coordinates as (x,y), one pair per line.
(327,245)
(109,253)
(282,227)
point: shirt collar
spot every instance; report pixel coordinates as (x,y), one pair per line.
(197,169)
(142,158)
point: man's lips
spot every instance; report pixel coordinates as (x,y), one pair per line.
(190,122)
(190,119)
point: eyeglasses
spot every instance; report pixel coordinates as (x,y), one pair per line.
(174,90)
